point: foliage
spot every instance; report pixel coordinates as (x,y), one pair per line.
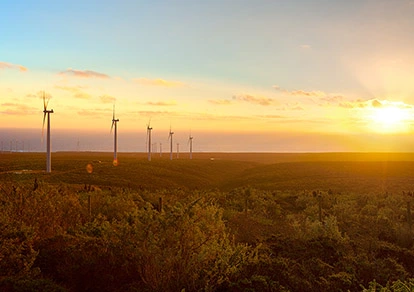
(107,231)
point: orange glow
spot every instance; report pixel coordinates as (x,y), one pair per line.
(89,168)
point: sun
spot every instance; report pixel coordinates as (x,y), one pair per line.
(389,118)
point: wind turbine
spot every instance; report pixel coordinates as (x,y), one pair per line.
(170,137)
(47,112)
(160,149)
(190,141)
(149,129)
(115,123)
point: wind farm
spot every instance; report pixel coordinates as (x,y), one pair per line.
(264,146)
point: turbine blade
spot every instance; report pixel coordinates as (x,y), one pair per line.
(112,126)
(44,101)
(113,113)
(43,125)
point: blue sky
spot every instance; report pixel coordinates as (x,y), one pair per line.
(253,66)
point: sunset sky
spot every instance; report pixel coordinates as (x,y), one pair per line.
(239,75)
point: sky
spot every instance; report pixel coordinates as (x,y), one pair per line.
(277,76)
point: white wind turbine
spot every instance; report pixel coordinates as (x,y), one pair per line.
(115,123)
(170,137)
(47,112)
(148,142)
(190,141)
(160,149)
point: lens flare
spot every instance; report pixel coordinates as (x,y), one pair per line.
(115,162)
(89,168)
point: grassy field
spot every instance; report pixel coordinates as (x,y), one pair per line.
(340,172)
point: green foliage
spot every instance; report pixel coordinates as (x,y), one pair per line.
(109,231)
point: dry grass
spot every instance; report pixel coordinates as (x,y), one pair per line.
(341,172)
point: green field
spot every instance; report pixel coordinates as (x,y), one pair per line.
(340,172)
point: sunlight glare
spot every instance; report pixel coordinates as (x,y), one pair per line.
(389,119)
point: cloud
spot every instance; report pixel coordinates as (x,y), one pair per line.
(162,103)
(82,95)
(17,109)
(346,105)
(271,116)
(158,82)
(254,99)
(305,47)
(333,99)
(83,74)
(375,103)
(107,99)
(314,93)
(76,90)
(93,113)
(4,65)
(69,88)
(260,100)
(220,101)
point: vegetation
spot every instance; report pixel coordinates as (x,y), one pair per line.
(109,230)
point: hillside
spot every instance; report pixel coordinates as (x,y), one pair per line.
(340,172)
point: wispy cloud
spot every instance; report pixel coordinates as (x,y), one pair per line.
(162,103)
(5,65)
(305,46)
(292,120)
(271,116)
(83,74)
(70,88)
(95,113)
(313,93)
(76,90)
(82,95)
(333,99)
(375,103)
(107,99)
(158,82)
(261,100)
(220,101)
(17,109)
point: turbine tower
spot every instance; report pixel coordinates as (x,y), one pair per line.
(115,123)
(160,149)
(170,137)
(190,141)
(47,112)
(149,129)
